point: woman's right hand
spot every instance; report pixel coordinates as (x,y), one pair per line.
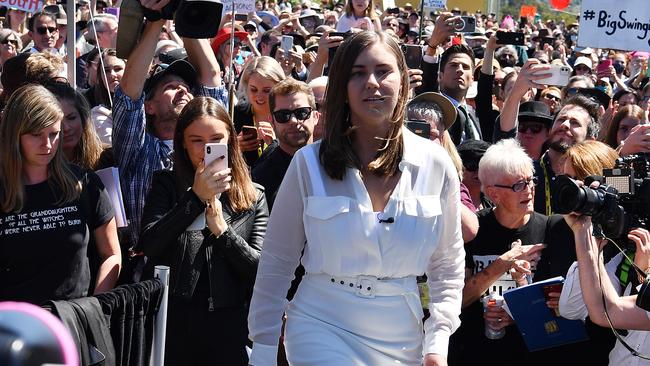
(637,141)
(250,144)
(209,181)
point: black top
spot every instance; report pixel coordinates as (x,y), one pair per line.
(484,111)
(43,248)
(244,117)
(270,172)
(468,345)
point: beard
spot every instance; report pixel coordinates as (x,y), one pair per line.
(560,146)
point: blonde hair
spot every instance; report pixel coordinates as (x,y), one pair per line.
(30,109)
(590,157)
(264,66)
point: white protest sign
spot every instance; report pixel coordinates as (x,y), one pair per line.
(30,6)
(621,24)
(435,4)
(241,6)
(388,4)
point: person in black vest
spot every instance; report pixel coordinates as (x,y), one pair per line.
(294,115)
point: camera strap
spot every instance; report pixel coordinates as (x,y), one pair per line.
(609,321)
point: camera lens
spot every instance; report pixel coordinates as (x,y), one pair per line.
(460,25)
(569,197)
(208,149)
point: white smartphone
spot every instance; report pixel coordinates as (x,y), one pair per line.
(214,151)
(560,76)
(286,43)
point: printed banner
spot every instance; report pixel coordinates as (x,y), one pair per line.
(528,11)
(435,4)
(30,6)
(621,24)
(241,6)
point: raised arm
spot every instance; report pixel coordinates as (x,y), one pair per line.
(531,71)
(137,67)
(200,55)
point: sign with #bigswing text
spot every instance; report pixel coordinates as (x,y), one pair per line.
(621,24)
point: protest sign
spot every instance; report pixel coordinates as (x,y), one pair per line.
(528,11)
(621,24)
(241,6)
(435,4)
(30,6)
(388,4)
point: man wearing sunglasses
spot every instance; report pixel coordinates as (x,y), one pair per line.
(44,31)
(145,112)
(294,116)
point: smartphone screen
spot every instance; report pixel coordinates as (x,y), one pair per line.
(286,43)
(604,65)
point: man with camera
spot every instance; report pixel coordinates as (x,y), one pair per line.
(145,111)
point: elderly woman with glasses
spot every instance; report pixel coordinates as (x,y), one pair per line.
(506,252)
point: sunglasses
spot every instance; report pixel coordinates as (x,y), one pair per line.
(534,128)
(521,185)
(12,41)
(284,115)
(552,97)
(44,30)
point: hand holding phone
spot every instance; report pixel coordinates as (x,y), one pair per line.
(420,128)
(286,44)
(413,55)
(560,75)
(216,152)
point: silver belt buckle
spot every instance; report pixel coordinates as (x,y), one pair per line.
(366,286)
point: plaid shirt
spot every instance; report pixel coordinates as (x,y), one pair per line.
(139,154)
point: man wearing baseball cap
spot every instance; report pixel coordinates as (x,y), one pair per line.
(146,109)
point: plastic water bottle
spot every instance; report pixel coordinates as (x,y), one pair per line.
(492,300)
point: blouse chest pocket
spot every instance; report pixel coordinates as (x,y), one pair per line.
(421,218)
(331,225)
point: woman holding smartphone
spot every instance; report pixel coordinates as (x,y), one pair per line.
(252,112)
(363,209)
(359,14)
(207,223)
(50,210)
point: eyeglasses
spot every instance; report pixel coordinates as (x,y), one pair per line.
(284,115)
(521,185)
(44,30)
(12,41)
(552,97)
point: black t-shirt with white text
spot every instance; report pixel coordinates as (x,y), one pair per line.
(43,248)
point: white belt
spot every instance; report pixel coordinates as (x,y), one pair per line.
(368,286)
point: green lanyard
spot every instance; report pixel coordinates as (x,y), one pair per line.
(547,186)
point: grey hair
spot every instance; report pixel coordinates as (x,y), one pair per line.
(426,111)
(505,158)
(98,24)
(504,49)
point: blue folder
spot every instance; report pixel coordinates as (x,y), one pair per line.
(539,326)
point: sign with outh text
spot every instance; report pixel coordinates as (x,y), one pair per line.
(241,6)
(30,6)
(621,24)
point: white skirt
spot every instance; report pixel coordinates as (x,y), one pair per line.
(330,323)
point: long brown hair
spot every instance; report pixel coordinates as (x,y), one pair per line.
(30,109)
(89,148)
(242,194)
(336,153)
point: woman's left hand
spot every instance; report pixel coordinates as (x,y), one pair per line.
(265,130)
(214,217)
(641,238)
(497,317)
(434,359)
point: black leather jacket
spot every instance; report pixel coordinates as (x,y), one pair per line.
(170,209)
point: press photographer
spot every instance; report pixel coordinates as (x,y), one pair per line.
(614,210)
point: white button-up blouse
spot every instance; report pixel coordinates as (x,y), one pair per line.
(333,220)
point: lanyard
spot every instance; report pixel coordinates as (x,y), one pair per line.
(547,185)
(261,147)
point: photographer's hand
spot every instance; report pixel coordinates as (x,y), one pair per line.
(641,238)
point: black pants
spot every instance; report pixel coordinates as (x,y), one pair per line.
(196,336)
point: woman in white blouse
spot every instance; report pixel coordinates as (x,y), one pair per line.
(366,206)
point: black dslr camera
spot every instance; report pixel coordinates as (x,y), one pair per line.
(193,19)
(619,204)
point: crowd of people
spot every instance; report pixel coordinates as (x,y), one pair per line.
(364,204)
